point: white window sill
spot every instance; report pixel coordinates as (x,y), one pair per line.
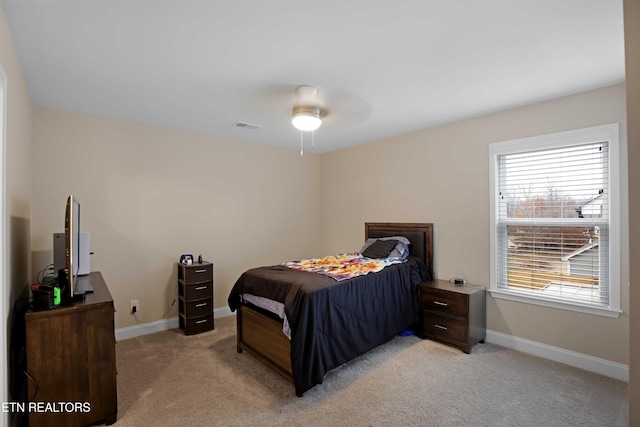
(528,298)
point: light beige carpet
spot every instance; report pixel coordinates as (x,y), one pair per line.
(169,379)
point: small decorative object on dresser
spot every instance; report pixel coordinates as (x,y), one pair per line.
(195,294)
(453,314)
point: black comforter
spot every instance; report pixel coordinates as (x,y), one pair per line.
(333,322)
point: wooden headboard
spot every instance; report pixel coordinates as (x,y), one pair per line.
(419,234)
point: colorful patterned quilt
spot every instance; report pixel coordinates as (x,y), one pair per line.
(342,266)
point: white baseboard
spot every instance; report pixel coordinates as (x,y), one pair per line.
(161,325)
(557,354)
(222,312)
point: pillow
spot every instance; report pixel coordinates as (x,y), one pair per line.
(401,250)
(380,249)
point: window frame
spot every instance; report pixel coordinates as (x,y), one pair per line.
(609,133)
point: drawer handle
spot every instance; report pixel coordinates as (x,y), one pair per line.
(201,304)
(199,288)
(201,321)
(200,271)
(441,327)
(444,304)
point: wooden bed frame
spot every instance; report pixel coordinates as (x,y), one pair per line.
(262,336)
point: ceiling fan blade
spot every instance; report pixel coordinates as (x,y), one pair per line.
(345,109)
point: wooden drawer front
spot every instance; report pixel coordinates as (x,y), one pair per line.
(196,325)
(263,333)
(445,328)
(199,291)
(199,274)
(196,308)
(444,302)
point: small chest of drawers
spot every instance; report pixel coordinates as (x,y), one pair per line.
(452,314)
(195,297)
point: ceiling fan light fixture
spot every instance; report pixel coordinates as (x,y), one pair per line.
(306,118)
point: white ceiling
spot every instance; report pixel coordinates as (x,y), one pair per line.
(384,68)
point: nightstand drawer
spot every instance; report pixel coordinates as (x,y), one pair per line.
(196,325)
(198,273)
(199,291)
(444,327)
(444,302)
(196,308)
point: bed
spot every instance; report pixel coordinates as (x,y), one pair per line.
(330,322)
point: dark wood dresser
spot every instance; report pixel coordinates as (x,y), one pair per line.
(452,314)
(195,294)
(71,359)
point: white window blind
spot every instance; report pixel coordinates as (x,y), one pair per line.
(552,221)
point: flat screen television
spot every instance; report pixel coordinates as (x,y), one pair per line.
(72,246)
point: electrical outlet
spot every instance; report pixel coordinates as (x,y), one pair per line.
(134,306)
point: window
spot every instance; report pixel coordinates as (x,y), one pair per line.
(554,220)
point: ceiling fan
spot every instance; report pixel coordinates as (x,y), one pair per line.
(310,107)
(307,114)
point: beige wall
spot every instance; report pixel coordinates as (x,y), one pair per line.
(441,175)
(419,181)
(18,163)
(18,189)
(632,49)
(149,195)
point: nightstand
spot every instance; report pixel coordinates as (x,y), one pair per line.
(195,295)
(452,314)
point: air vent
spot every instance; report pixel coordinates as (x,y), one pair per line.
(245,125)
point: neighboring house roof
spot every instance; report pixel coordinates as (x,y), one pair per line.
(589,205)
(580,250)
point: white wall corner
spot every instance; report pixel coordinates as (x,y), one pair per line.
(604,367)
